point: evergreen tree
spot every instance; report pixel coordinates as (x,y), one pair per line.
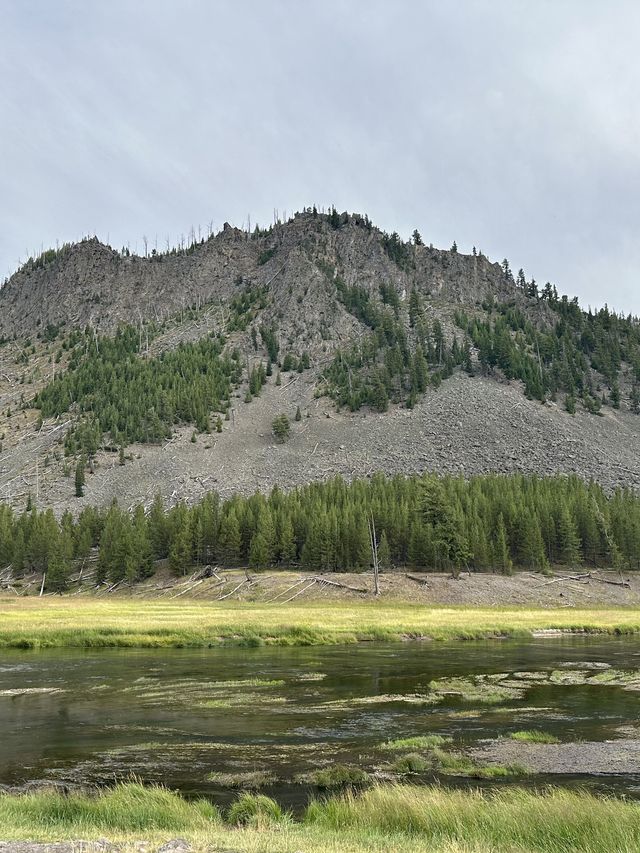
(501,554)
(384,552)
(567,538)
(531,546)
(80,478)
(281,428)
(59,564)
(286,542)
(229,539)
(158,528)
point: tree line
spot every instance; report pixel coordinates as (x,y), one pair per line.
(488,523)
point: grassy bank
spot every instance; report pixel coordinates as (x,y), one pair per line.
(59,622)
(405,819)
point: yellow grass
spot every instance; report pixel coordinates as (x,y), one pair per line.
(32,622)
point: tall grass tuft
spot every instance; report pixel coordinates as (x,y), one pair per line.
(256,811)
(553,821)
(129,807)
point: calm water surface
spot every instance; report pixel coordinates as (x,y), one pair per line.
(177,716)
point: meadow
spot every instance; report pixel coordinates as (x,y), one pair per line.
(32,622)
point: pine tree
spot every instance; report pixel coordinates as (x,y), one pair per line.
(501,555)
(281,428)
(59,564)
(450,543)
(79,481)
(531,546)
(384,552)
(567,538)
(158,527)
(229,538)
(286,544)
(180,556)
(142,549)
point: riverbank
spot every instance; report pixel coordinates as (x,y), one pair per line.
(403,818)
(57,622)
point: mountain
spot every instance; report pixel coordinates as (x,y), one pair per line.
(392,356)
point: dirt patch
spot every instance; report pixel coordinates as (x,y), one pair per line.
(599,758)
(280,587)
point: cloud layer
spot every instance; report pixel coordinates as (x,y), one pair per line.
(510,125)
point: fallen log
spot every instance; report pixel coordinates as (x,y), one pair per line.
(418,579)
(300,591)
(188,589)
(341,585)
(612,582)
(288,589)
(235,589)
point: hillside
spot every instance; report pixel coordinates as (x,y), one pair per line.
(397,357)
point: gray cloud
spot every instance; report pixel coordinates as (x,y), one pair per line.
(510,125)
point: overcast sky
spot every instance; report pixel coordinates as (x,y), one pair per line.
(511,125)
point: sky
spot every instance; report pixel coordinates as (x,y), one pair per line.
(509,125)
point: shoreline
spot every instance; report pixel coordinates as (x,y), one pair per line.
(404,818)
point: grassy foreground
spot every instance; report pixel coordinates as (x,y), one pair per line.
(58,622)
(401,818)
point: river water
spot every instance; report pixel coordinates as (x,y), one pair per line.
(184,717)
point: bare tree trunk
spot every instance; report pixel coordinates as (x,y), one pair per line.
(374,556)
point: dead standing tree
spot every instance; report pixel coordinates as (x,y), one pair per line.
(374,556)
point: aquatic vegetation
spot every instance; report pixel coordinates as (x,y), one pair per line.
(412,762)
(336,776)
(242,699)
(534,736)
(382,699)
(419,742)
(248,682)
(250,779)
(484,689)
(29,691)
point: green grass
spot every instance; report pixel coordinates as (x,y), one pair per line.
(455,764)
(255,810)
(420,742)
(125,808)
(554,822)
(402,818)
(32,622)
(336,776)
(534,736)
(412,762)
